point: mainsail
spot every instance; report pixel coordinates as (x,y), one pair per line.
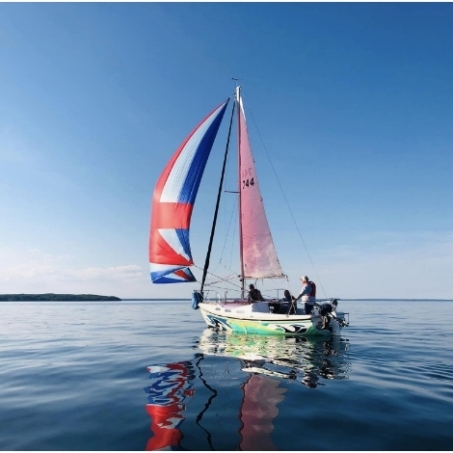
(259,256)
(173,199)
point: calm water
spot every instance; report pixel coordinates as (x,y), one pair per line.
(73,376)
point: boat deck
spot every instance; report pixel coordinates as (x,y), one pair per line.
(263,310)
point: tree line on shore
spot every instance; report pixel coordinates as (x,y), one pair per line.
(55,297)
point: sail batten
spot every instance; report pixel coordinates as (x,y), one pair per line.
(174,195)
(259,256)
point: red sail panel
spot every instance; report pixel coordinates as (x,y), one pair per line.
(174,196)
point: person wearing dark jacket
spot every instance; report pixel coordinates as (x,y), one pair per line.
(254,294)
(290,303)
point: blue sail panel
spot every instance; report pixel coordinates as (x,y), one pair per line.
(173,200)
(171,274)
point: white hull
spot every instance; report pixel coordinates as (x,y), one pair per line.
(256,318)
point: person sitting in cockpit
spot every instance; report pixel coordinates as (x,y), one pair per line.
(254,294)
(290,303)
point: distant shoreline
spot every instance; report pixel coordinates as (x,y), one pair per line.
(49,297)
(54,297)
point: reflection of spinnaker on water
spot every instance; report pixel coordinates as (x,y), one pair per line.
(263,364)
(170,386)
(174,384)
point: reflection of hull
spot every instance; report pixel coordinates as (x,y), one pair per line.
(281,356)
(255,319)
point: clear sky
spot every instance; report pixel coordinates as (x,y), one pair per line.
(354,103)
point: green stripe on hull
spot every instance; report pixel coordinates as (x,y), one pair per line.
(266,328)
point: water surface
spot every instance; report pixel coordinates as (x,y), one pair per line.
(74,376)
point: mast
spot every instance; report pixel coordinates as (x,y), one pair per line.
(241,245)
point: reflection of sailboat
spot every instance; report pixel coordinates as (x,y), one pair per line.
(170,254)
(283,357)
(172,424)
(192,403)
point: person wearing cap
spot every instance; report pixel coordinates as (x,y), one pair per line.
(254,294)
(308,294)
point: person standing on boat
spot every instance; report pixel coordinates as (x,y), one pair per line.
(308,294)
(254,294)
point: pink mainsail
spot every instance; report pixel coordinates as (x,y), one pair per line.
(259,256)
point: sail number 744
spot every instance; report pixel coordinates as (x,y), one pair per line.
(248,182)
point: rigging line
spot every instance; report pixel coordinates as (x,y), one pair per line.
(216,276)
(219,193)
(226,279)
(233,240)
(219,288)
(225,216)
(227,232)
(225,290)
(287,203)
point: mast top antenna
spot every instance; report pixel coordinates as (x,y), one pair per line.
(236,79)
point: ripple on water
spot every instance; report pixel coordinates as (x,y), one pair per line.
(74,378)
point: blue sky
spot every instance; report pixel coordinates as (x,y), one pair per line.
(354,103)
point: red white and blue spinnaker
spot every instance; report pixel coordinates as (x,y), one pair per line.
(170,256)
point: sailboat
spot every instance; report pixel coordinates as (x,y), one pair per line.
(170,254)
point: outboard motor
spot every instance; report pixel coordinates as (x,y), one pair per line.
(329,318)
(197,297)
(334,304)
(339,317)
(325,309)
